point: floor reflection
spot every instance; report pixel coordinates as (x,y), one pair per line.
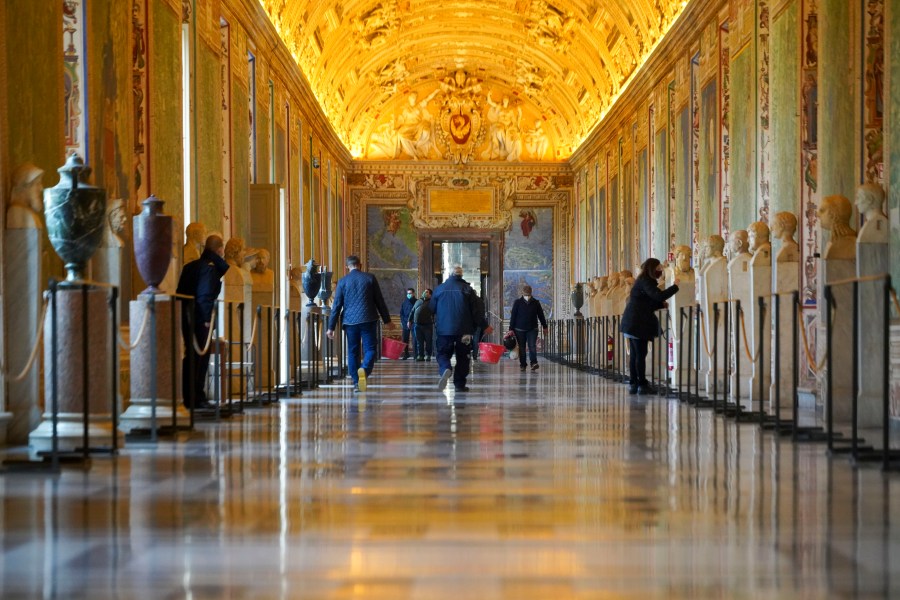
(553,484)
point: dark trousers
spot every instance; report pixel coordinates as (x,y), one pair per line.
(194,384)
(423,336)
(529,339)
(367,335)
(405,338)
(637,361)
(447,346)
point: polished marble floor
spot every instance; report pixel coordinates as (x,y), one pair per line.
(542,485)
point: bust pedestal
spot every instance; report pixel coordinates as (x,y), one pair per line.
(760,285)
(70,358)
(263,294)
(740,288)
(714,288)
(138,415)
(872,258)
(786,279)
(683,299)
(841,336)
(23,285)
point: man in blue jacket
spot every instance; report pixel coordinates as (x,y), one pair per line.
(202,279)
(523,321)
(358,297)
(405,312)
(456,316)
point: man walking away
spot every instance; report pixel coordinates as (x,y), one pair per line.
(358,298)
(523,321)
(422,323)
(202,279)
(456,316)
(405,311)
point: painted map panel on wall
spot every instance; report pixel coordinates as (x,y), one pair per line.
(643,208)
(661,194)
(391,253)
(683,209)
(629,239)
(743,141)
(529,258)
(709,161)
(590,240)
(614,252)
(600,232)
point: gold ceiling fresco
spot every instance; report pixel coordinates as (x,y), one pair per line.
(464,80)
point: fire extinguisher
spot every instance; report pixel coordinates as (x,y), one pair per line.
(609,349)
(671,355)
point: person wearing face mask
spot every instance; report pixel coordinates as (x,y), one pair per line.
(421,321)
(405,312)
(639,321)
(523,321)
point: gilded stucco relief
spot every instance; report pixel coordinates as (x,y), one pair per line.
(547,71)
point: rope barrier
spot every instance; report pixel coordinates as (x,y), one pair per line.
(252,341)
(705,337)
(750,357)
(129,347)
(34,350)
(815,368)
(212,327)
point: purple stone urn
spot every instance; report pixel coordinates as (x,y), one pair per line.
(152,243)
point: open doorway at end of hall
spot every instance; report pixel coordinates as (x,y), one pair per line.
(478,252)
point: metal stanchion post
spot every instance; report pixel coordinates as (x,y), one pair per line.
(154,366)
(829,392)
(257,359)
(760,360)
(854,394)
(173,361)
(85,372)
(277,354)
(795,375)
(776,359)
(114,376)
(885,377)
(242,354)
(715,357)
(54,381)
(229,362)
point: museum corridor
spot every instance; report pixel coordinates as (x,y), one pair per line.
(551,484)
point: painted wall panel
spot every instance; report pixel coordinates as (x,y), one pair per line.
(708,201)
(785,94)
(743,140)
(208,149)
(661,193)
(683,210)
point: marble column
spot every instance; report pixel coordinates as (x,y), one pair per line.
(139,413)
(22,275)
(70,359)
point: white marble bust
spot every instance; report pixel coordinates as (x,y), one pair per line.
(115,221)
(760,246)
(783,226)
(25,202)
(738,246)
(196,237)
(263,276)
(869,202)
(681,268)
(834,214)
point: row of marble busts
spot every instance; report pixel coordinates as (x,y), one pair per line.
(607,295)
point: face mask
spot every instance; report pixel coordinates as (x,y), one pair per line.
(409,295)
(527,297)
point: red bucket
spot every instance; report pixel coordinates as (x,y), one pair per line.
(391,348)
(490,353)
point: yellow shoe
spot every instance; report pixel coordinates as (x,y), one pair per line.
(362,379)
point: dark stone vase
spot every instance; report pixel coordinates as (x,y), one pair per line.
(312,281)
(152,243)
(75,214)
(578,298)
(325,290)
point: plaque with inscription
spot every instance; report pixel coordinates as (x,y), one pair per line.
(452,202)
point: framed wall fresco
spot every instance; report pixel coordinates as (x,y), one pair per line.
(683,210)
(661,184)
(643,199)
(391,251)
(707,203)
(528,257)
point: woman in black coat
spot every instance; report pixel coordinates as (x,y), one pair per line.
(639,322)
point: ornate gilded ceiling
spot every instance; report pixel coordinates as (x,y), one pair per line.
(467,80)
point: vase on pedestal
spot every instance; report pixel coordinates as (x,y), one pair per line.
(325,290)
(578,298)
(152,243)
(312,281)
(75,214)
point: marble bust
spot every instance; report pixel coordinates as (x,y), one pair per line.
(25,202)
(738,244)
(196,237)
(263,276)
(760,246)
(783,226)
(115,221)
(869,202)
(834,214)
(715,249)
(682,269)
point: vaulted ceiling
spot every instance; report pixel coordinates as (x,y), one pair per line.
(560,64)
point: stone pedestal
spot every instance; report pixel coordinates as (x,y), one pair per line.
(683,299)
(760,285)
(23,301)
(714,288)
(841,336)
(785,279)
(70,358)
(138,415)
(264,336)
(740,288)
(871,259)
